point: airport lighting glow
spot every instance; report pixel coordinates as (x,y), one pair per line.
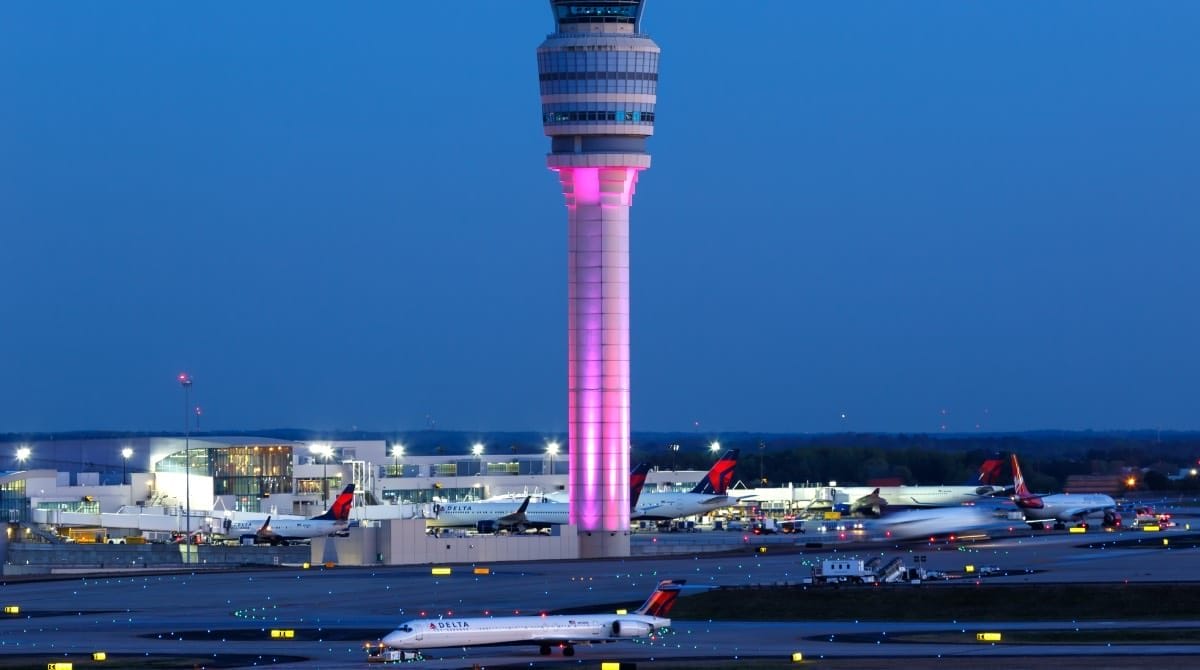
(23,453)
(714,447)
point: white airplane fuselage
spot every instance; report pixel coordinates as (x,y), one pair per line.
(674,505)
(581,628)
(289,529)
(1067,507)
(468,515)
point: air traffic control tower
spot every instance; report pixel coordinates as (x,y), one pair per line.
(599,76)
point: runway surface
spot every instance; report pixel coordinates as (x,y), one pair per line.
(332,612)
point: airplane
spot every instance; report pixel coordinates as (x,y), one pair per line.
(1060,508)
(333,522)
(871,504)
(492,516)
(867,502)
(709,494)
(952,523)
(545,631)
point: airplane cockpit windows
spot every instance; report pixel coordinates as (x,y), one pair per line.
(406,628)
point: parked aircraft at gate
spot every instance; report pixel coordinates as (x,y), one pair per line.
(1060,508)
(527,515)
(545,631)
(333,522)
(710,494)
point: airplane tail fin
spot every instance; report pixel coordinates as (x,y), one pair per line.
(524,505)
(1021,494)
(340,509)
(637,479)
(1019,487)
(989,471)
(660,602)
(720,476)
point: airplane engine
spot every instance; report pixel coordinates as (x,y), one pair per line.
(631,628)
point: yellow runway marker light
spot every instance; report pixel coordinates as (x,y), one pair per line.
(440,571)
(12,609)
(99,656)
(987,637)
(797,657)
(282,633)
(1150,529)
(970,569)
(1077,529)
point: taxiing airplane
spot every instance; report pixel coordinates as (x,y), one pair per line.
(1060,508)
(491,516)
(710,494)
(950,523)
(544,631)
(333,522)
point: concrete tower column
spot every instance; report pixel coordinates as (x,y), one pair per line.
(599,79)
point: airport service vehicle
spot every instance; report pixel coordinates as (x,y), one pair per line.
(1060,508)
(856,571)
(493,516)
(545,631)
(708,495)
(284,531)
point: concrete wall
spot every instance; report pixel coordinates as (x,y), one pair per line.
(26,558)
(405,542)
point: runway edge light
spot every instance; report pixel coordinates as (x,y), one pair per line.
(12,609)
(284,633)
(797,657)
(988,637)
(439,571)
(99,656)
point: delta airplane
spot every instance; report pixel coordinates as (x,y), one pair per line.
(494,515)
(545,631)
(953,523)
(333,522)
(1060,508)
(708,495)
(871,502)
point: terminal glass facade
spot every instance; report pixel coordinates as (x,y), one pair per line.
(246,471)
(13,501)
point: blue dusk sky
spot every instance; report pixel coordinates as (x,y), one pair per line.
(860,216)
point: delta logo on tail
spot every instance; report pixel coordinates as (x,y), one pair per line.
(1023,497)
(660,602)
(637,480)
(720,476)
(340,509)
(989,472)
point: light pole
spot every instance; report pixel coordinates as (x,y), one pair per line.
(185,380)
(397,453)
(674,450)
(324,451)
(552,450)
(762,450)
(125,454)
(477,450)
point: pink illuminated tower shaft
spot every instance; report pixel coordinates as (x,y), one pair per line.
(598,201)
(598,79)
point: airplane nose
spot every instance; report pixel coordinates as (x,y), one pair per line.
(393,639)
